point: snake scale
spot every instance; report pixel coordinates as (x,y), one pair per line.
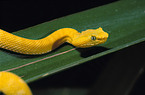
(21,45)
(11,84)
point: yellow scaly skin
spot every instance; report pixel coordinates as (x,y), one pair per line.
(88,38)
(11,84)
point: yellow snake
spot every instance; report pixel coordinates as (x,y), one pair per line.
(88,38)
(11,84)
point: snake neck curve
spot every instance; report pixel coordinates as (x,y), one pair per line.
(61,36)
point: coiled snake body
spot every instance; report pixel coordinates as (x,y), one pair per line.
(11,84)
(21,45)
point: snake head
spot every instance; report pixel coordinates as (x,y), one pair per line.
(90,37)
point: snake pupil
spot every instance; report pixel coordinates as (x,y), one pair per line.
(1,93)
(93,38)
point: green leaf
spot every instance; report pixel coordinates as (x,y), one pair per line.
(123,20)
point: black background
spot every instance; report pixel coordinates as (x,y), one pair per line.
(19,14)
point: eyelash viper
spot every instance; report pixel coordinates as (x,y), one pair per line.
(11,84)
(88,38)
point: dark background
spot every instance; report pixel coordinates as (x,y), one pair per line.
(19,14)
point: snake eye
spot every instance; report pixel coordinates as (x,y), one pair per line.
(93,38)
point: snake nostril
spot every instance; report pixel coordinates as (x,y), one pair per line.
(101,38)
(1,93)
